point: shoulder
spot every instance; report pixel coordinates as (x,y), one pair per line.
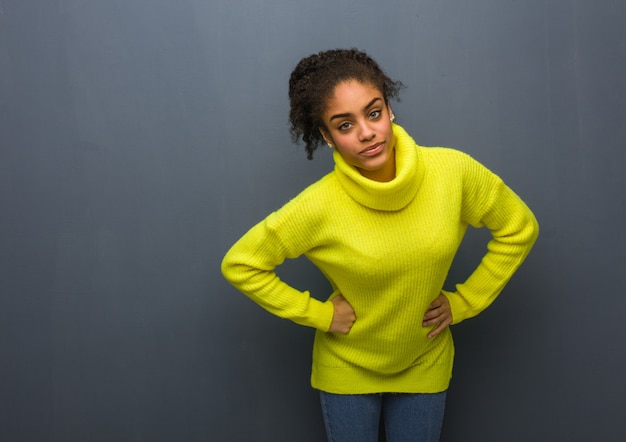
(317,194)
(310,204)
(449,161)
(447,156)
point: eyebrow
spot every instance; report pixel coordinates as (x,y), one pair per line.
(370,104)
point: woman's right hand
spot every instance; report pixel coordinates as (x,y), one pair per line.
(344,316)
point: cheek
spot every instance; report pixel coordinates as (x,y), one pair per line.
(343,150)
(345,145)
(348,155)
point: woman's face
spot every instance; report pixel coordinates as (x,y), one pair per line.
(357,122)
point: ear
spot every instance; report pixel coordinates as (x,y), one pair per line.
(327,138)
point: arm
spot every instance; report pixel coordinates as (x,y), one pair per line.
(514,230)
(249,266)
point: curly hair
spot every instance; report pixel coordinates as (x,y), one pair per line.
(313,81)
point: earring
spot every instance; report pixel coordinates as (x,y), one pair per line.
(393,118)
(330,146)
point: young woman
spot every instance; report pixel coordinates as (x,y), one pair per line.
(383,227)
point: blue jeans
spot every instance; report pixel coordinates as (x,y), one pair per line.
(406,417)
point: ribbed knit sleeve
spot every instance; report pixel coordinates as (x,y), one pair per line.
(489,202)
(250,266)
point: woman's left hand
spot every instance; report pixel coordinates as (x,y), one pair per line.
(439,314)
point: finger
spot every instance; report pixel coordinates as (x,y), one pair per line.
(435,304)
(436,317)
(430,314)
(432,322)
(442,326)
(433,314)
(347,327)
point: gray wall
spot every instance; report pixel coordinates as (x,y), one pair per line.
(140,138)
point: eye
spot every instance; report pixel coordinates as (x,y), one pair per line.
(344,126)
(375,114)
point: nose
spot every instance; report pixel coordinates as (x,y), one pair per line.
(367,133)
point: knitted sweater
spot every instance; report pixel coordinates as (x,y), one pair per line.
(387,248)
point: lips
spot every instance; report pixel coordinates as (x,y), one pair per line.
(373,150)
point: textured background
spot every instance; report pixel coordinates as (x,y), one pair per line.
(140,138)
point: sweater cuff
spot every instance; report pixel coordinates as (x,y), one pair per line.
(319,316)
(458,306)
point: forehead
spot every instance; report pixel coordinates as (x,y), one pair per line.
(352,94)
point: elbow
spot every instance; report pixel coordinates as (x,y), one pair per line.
(227,268)
(236,271)
(527,234)
(533,227)
(224,268)
(524,230)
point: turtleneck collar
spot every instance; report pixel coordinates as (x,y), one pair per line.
(391,195)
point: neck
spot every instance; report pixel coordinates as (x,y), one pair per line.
(386,173)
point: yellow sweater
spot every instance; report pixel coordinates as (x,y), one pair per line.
(387,247)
